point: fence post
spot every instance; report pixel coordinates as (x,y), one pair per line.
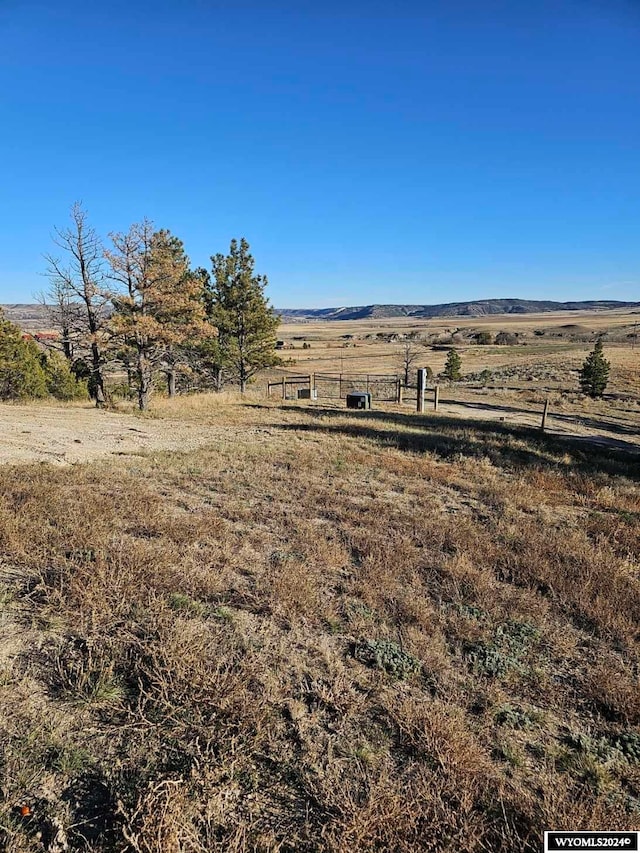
(543,425)
(340,389)
(399,390)
(436,397)
(422,381)
(312,383)
(268,388)
(284,388)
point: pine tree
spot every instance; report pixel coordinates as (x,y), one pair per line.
(241,312)
(61,381)
(22,375)
(160,306)
(204,354)
(452,366)
(594,374)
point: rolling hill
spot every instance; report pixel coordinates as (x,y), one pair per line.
(34,316)
(476,308)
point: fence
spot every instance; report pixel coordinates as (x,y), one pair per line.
(383,387)
(613,432)
(288,386)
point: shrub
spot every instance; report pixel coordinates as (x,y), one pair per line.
(628,743)
(505,652)
(483,338)
(387,655)
(514,717)
(506,339)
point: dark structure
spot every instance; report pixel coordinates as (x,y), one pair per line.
(359,400)
(307,394)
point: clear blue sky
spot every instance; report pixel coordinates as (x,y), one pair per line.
(369,151)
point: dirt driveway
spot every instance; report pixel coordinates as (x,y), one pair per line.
(64,435)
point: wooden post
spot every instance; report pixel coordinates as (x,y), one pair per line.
(268,389)
(422,382)
(436,397)
(312,382)
(543,425)
(284,388)
(399,390)
(340,389)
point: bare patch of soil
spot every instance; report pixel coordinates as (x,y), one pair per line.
(65,435)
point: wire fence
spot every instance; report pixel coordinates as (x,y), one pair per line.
(335,386)
(381,386)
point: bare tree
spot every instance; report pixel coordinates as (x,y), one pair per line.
(78,296)
(65,315)
(409,355)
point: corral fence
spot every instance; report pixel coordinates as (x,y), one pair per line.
(381,386)
(422,396)
(289,385)
(335,386)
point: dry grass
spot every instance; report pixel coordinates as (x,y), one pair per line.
(326,632)
(547,339)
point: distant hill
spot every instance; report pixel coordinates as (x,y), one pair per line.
(34,316)
(27,316)
(477,308)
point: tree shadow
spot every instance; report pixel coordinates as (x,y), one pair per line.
(507,445)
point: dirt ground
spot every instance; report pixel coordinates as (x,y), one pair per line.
(64,435)
(68,434)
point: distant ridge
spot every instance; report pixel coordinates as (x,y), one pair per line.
(35,316)
(477,308)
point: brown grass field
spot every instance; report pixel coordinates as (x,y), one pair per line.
(563,340)
(261,625)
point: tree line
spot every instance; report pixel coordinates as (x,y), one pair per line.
(135,306)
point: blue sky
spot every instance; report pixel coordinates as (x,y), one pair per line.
(369,151)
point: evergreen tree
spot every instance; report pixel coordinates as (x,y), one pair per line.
(452,366)
(22,375)
(159,308)
(594,374)
(61,381)
(241,312)
(205,354)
